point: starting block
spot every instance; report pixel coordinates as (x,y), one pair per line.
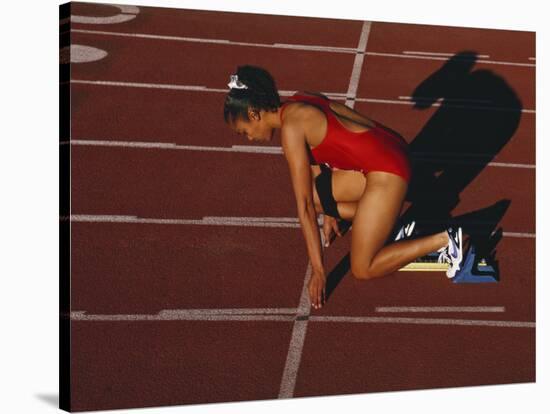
(472,269)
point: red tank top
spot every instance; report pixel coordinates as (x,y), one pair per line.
(376,149)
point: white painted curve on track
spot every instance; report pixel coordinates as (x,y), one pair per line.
(126,14)
(80,54)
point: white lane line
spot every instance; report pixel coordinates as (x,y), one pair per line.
(301,329)
(90,218)
(246,220)
(281,222)
(147,85)
(149,145)
(491,62)
(459,158)
(511,165)
(437,98)
(183,314)
(335,49)
(79,316)
(473,162)
(532,58)
(454,154)
(249,219)
(290,373)
(412,52)
(297,339)
(440,102)
(423,321)
(192,88)
(229,311)
(425,157)
(258,149)
(332,95)
(455,103)
(314,48)
(422,309)
(519,235)
(358,65)
(224,220)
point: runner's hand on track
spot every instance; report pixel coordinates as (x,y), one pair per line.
(330,224)
(317,289)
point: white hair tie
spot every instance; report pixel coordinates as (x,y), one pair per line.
(235,83)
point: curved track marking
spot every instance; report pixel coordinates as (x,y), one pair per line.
(80,54)
(126,14)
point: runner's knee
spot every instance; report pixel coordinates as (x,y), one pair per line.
(363,273)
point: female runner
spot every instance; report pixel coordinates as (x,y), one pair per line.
(365,163)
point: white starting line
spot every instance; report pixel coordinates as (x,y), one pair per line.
(450,158)
(448,103)
(281,222)
(313,48)
(300,318)
(438,309)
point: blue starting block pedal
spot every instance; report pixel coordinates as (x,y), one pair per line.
(474,271)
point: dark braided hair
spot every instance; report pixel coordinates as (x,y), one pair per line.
(261,94)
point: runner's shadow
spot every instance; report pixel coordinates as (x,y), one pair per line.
(477,114)
(336,275)
(483,232)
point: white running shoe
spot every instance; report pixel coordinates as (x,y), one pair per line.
(452,253)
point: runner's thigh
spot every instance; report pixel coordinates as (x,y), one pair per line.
(375,217)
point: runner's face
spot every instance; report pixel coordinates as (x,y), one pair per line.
(256,129)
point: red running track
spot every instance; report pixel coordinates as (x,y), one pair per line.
(170,307)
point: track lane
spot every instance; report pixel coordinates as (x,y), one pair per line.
(227,25)
(195,118)
(386,357)
(159,61)
(163,184)
(144,364)
(515,291)
(146,268)
(500,84)
(503,45)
